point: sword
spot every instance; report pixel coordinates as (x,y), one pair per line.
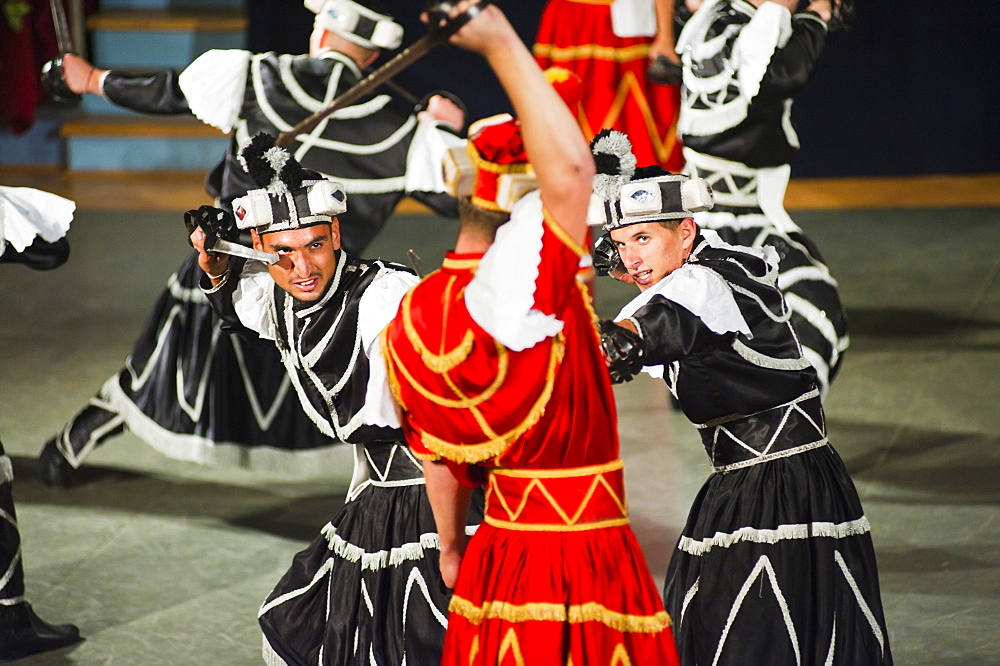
(217,223)
(439,34)
(237,250)
(52,71)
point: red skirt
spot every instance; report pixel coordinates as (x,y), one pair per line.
(616,94)
(554,575)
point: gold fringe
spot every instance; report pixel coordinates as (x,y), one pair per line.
(552,612)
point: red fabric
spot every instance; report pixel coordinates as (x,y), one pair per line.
(616,94)
(602,570)
(541,595)
(24,48)
(593,498)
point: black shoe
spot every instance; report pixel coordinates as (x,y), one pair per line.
(23,633)
(52,467)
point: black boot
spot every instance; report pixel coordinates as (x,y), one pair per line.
(23,633)
(52,467)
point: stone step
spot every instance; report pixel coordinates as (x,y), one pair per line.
(141,143)
(159,38)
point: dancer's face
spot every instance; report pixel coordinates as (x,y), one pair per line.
(307,258)
(651,251)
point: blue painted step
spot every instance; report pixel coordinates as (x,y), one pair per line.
(141,143)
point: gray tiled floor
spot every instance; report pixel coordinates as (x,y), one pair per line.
(163,562)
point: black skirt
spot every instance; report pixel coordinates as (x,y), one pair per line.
(776,566)
(368,589)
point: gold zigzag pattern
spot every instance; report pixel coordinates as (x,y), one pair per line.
(598,481)
(628,87)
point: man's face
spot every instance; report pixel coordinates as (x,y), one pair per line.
(307,258)
(651,251)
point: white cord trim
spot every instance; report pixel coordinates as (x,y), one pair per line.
(876,629)
(763,564)
(765,361)
(6,471)
(787,453)
(699,547)
(689,597)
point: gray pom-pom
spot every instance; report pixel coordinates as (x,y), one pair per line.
(614,163)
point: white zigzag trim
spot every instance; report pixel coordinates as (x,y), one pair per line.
(689,597)
(781,533)
(417,578)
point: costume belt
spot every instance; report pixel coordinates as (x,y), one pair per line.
(557,500)
(392,464)
(786,430)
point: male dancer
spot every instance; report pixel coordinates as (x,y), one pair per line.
(32,226)
(743,63)
(495,364)
(367,589)
(776,563)
(187,387)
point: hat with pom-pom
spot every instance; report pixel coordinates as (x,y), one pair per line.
(624,194)
(289,196)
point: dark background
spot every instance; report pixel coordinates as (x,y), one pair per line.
(914,88)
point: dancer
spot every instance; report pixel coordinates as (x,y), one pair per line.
(775,564)
(743,63)
(32,228)
(610,45)
(188,389)
(367,589)
(495,364)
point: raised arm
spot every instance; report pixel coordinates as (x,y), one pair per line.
(556,147)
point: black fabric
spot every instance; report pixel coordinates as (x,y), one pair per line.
(41,255)
(331,582)
(151,92)
(10,541)
(759,140)
(775,563)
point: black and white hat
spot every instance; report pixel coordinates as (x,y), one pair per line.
(357,23)
(289,197)
(624,194)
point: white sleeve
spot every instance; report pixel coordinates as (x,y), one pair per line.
(377,307)
(254,299)
(214,85)
(768,30)
(501,297)
(26,212)
(425,156)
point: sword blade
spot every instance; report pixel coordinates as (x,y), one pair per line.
(237,250)
(63,39)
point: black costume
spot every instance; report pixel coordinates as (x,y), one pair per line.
(741,68)
(368,589)
(187,388)
(776,563)
(32,224)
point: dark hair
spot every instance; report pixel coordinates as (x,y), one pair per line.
(480,221)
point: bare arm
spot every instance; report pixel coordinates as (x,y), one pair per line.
(450,504)
(664,42)
(558,152)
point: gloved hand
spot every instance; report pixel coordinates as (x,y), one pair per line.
(622,351)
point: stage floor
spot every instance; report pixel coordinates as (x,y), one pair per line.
(166,562)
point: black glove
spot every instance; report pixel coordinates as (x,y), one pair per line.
(215,222)
(606,257)
(662,70)
(622,351)
(842,16)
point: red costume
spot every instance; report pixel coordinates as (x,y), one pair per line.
(577,35)
(495,362)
